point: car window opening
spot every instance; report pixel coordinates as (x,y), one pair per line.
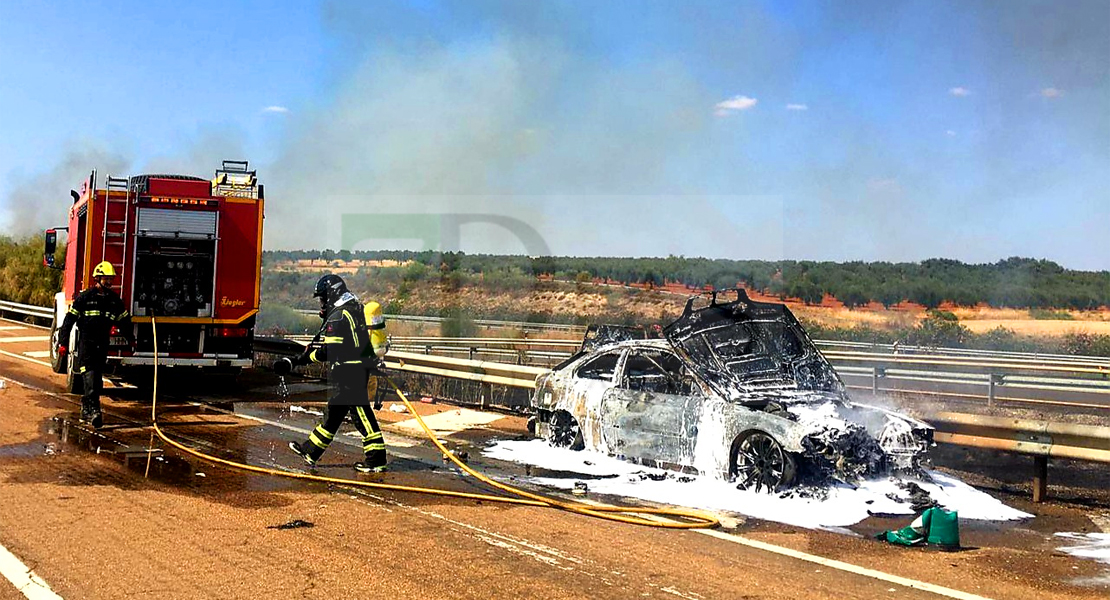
(658,372)
(601,368)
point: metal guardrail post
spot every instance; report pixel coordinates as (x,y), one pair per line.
(1040,478)
(993,380)
(876,374)
(473,351)
(486,395)
(428,349)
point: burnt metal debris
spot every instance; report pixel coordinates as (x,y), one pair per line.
(294,524)
(732,388)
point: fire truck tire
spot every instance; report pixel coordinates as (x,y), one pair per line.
(75,384)
(58,363)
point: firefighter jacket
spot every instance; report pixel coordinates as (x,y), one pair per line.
(95,311)
(345,344)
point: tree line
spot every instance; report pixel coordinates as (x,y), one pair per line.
(1023,283)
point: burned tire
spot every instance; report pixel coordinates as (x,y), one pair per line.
(759,463)
(57,361)
(564,432)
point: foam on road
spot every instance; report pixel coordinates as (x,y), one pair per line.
(843,506)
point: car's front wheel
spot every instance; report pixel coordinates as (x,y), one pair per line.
(563,431)
(760,463)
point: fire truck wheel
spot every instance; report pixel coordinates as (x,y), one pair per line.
(57,361)
(75,384)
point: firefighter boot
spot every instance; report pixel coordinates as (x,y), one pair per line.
(303,453)
(363,467)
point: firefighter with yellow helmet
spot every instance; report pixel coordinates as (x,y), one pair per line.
(95,311)
(353,342)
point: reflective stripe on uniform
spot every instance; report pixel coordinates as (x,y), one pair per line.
(368,448)
(73,311)
(354,328)
(372,437)
(123,315)
(92,313)
(312,356)
(317,434)
(366,422)
(332,339)
(324,433)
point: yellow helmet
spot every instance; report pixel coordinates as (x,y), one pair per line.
(104,269)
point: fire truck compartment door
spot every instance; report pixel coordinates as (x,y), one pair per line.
(162,222)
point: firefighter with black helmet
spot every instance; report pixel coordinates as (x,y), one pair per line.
(346,345)
(95,311)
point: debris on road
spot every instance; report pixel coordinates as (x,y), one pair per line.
(294,524)
(935,526)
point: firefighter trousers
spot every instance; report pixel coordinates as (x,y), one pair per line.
(92,378)
(344,402)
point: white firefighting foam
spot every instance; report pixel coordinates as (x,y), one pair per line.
(1087,545)
(842,507)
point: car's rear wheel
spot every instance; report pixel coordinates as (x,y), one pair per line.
(564,432)
(760,463)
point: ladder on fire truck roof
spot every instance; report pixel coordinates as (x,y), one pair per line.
(114,239)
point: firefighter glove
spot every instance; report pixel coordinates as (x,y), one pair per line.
(304,358)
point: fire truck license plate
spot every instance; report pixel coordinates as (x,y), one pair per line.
(118,340)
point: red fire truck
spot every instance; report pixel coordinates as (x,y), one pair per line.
(187,251)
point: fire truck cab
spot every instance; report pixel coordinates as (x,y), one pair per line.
(187,252)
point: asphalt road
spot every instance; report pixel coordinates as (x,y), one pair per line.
(85,512)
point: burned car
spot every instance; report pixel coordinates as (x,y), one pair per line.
(732,388)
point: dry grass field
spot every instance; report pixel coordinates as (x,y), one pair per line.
(593,302)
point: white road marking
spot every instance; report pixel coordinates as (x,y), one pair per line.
(841,566)
(37,353)
(23,578)
(827,562)
(105,380)
(449,422)
(25,338)
(21,357)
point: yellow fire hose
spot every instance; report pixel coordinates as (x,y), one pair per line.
(691,519)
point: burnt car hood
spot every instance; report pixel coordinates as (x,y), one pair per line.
(751,352)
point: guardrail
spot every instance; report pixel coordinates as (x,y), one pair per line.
(473,370)
(1082,383)
(39,312)
(1040,439)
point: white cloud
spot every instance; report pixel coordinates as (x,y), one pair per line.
(959,91)
(950,133)
(797,107)
(735,103)
(275,109)
(1051,92)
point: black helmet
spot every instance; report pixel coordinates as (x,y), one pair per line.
(329,289)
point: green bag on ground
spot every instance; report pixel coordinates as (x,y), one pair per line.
(935,526)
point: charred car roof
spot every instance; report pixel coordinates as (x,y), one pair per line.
(742,349)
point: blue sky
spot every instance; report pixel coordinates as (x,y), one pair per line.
(803,130)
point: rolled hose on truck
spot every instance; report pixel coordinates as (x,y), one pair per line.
(690,519)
